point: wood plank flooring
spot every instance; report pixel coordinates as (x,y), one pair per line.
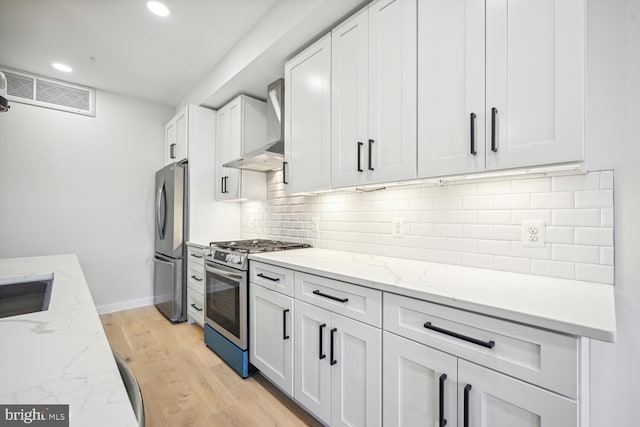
(184,384)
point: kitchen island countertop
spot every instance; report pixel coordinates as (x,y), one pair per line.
(61,355)
(568,306)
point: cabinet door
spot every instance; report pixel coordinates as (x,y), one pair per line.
(307,118)
(312,379)
(182,134)
(498,400)
(222,150)
(416,378)
(271,348)
(356,377)
(451,84)
(349,86)
(391,140)
(234,149)
(535,82)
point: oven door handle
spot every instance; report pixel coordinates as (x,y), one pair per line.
(223,271)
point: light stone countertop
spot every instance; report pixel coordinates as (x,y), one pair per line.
(568,306)
(61,356)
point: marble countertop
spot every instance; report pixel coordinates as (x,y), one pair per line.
(61,356)
(567,306)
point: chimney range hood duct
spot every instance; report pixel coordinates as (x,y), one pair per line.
(271,155)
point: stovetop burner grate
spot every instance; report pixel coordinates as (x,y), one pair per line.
(258,245)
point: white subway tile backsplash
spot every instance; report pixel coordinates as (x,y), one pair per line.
(473,224)
(516,265)
(606,180)
(477,260)
(576,217)
(595,273)
(557,200)
(511,201)
(594,199)
(560,234)
(606,256)
(535,185)
(543,267)
(477,231)
(600,236)
(576,253)
(590,181)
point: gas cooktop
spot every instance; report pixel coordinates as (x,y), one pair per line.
(253,246)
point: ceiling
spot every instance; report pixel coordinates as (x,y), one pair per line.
(135,53)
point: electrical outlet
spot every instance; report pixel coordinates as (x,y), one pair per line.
(251,222)
(397,227)
(534,234)
(315,224)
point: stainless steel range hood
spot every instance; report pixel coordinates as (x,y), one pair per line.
(271,155)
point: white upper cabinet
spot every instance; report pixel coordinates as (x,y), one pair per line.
(533,110)
(374,95)
(176,136)
(241,128)
(535,82)
(307,118)
(451,82)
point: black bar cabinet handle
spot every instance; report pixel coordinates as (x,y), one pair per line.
(333,361)
(196,307)
(194,277)
(284,172)
(222,185)
(226,181)
(284,324)
(487,344)
(467,388)
(370,150)
(273,279)
(172,151)
(196,255)
(321,355)
(442,421)
(494,114)
(360,144)
(317,292)
(472,131)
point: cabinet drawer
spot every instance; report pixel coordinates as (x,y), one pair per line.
(195,278)
(194,256)
(540,357)
(356,302)
(272,277)
(195,306)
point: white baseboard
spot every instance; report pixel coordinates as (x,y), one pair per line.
(124,305)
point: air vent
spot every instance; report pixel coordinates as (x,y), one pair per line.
(28,88)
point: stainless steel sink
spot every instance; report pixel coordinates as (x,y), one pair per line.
(25,294)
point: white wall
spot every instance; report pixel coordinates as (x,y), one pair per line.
(84,185)
(613,137)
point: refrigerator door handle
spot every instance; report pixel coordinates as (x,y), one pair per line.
(160,198)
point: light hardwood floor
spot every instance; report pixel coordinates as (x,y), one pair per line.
(185,384)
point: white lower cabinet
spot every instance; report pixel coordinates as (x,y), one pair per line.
(338,367)
(271,347)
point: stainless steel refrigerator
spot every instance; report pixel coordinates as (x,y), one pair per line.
(171,232)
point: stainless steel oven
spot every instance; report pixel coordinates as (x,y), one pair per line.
(226,302)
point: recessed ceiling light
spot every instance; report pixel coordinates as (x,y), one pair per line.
(158,8)
(61,67)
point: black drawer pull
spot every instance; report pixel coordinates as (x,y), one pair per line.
(360,144)
(333,361)
(276,279)
(487,344)
(196,307)
(317,292)
(467,388)
(284,324)
(196,255)
(196,278)
(442,421)
(370,150)
(321,355)
(494,114)
(472,130)
(284,172)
